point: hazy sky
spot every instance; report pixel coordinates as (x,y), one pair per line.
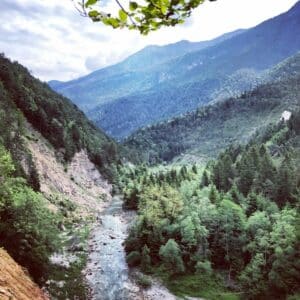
(54,42)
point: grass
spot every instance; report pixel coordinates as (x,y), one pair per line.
(196,285)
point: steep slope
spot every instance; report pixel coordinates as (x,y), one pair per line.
(15,284)
(54,172)
(202,134)
(138,72)
(77,181)
(59,121)
(196,78)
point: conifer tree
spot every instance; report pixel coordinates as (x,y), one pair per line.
(145,258)
(170,255)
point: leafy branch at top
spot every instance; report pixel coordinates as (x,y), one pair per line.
(147,16)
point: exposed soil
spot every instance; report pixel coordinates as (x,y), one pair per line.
(15,284)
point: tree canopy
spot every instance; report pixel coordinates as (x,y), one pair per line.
(144,16)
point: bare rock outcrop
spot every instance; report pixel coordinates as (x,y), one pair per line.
(79,181)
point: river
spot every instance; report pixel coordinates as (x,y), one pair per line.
(107,272)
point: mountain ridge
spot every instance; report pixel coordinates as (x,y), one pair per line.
(205,132)
(194,79)
(138,72)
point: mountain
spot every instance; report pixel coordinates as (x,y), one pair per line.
(203,76)
(138,72)
(56,118)
(202,134)
(56,171)
(140,95)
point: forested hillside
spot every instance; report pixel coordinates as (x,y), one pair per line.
(173,174)
(138,72)
(228,232)
(36,123)
(59,120)
(202,134)
(183,84)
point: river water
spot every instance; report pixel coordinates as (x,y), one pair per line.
(107,272)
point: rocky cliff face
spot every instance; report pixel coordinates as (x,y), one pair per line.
(15,284)
(80,181)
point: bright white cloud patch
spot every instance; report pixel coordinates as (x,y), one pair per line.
(54,42)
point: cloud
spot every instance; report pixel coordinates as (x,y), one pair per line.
(55,42)
(104,58)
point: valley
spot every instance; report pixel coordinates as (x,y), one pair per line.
(174,174)
(204,133)
(173,85)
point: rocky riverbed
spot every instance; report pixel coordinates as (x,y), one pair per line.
(106,272)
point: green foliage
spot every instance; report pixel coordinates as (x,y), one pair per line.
(144,281)
(171,257)
(254,171)
(242,224)
(144,17)
(284,274)
(6,164)
(145,259)
(54,116)
(28,230)
(133,258)
(213,195)
(209,130)
(197,285)
(74,281)
(205,179)
(253,277)
(228,241)
(203,267)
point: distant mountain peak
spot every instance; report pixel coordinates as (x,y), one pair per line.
(160,82)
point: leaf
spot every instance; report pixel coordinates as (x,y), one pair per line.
(164,9)
(122,15)
(90,2)
(93,14)
(133,6)
(112,21)
(164,5)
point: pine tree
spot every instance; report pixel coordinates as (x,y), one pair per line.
(247,174)
(204,179)
(213,195)
(194,169)
(235,194)
(145,259)
(286,183)
(170,255)
(251,204)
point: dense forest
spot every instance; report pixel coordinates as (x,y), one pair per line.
(229,230)
(210,129)
(29,230)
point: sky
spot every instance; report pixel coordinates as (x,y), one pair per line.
(55,43)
